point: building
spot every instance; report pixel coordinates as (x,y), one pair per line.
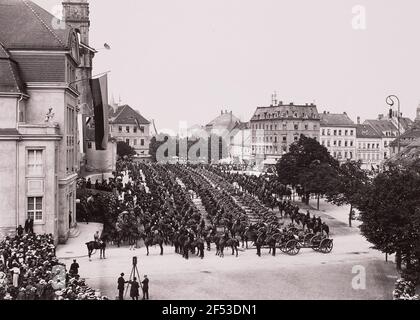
(276,127)
(338,135)
(368,144)
(408,137)
(128,125)
(240,143)
(223,123)
(39,103)
(387,128)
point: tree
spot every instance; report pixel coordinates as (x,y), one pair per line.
(308,167)
(390,212)
(123,149)
(348,187)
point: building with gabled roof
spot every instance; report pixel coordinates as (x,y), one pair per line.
(40,57)
(368,147)
(338,135)
(128,125)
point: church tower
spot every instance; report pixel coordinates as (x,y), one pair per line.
(76,15)
(417,120)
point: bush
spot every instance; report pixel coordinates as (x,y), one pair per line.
(405,290)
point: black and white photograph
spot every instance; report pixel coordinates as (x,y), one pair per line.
(209,150)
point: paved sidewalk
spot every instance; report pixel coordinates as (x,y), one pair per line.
(76,247)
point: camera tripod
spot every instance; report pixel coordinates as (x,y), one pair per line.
(133,274)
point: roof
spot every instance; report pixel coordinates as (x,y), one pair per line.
(411,134)
(381,126)
(281,111)
(241,126)
(366,131)
(127,115)
(336,120)
(226,120)
(24,24)
(10,79)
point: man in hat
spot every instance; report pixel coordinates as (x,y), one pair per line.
(74,268)
(121,286)
(145,288)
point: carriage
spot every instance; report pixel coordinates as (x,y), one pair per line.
(318,243)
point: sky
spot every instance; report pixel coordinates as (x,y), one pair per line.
(186,60)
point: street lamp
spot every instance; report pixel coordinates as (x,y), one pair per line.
(391,100)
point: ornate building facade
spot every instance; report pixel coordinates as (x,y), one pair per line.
(276,127)
(39,102)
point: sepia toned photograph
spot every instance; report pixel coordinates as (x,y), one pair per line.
(209,150)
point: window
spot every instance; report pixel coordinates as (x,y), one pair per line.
(335,132)
(306,127)
(346,132)
(328,143)
(127,129)
(351,143)
(284,126)
(89,145)
(127,141)
(142,129)
(345,155)
(135,129)
(35,163)
(346,143)
(351,132)
(351,155)
(296,127)
(120,129)
(339,143)
(315,127)
(323,132)
(35,208)
(335,143)
(284,139)
(142,142)
(329,132)
(135,142)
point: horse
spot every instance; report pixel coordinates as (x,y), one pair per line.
(95,245)
(234,244)
(199,244)
(151,240)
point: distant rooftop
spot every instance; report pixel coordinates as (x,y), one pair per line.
(336,120)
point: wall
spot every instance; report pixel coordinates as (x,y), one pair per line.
(8,197)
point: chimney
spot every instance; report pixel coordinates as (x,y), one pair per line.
(345,113)
(380,117)
(325,112)
(221,113)
(358,120)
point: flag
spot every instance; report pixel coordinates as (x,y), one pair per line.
(99,87)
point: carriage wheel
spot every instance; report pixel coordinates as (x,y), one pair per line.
(293,247)
(315,243)
(326,246)
(283,247)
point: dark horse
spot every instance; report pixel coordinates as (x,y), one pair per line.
(152,240)
(96,245)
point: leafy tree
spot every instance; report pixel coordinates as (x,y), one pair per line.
(308,167)
(390,211)
(349,185)
(123,149)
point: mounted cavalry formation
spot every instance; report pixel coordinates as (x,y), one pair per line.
(194,208)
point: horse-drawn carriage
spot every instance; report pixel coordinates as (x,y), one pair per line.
(318,243)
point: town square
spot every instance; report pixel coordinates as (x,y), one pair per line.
(208,150)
